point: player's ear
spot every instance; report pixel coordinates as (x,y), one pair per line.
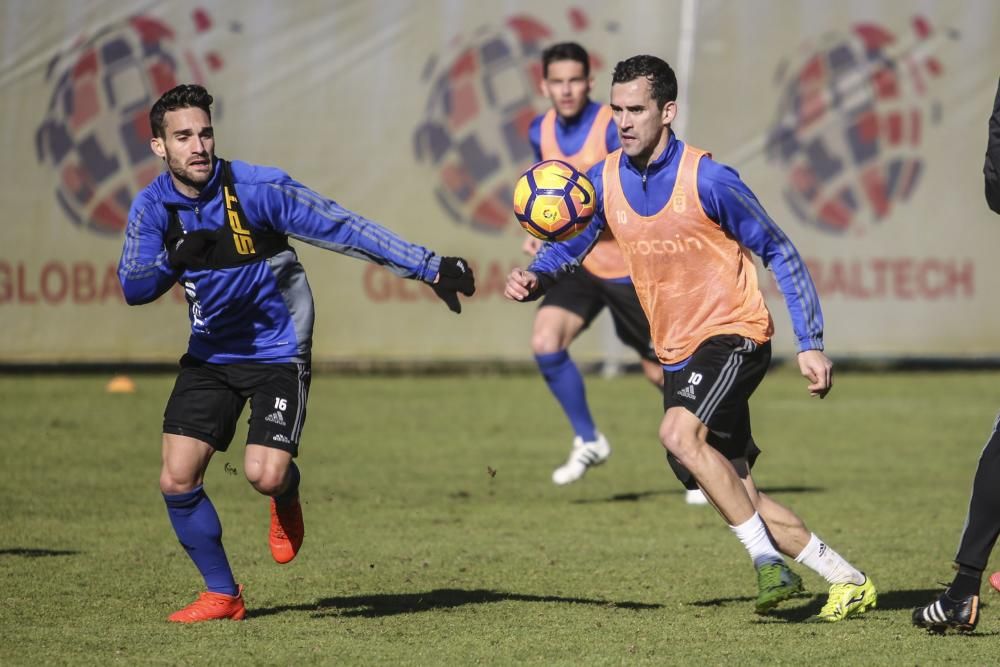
(669,112)
(156,144)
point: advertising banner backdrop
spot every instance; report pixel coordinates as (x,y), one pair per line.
(860,126)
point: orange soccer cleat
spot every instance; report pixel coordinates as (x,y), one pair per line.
(287,530)
(995,581)
(211,607)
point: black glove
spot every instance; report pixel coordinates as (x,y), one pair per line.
(454,276)
(191,251)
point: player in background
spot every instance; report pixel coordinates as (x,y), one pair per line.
(958,607)
(687,225)
(581,132)
(221,230)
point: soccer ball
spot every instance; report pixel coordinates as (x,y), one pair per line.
(553,201)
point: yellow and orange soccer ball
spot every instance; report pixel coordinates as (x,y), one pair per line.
(553,201)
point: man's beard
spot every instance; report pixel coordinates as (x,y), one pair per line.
(181,173)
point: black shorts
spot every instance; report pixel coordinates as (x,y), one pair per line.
(716,386)
(208,398)
(584,294)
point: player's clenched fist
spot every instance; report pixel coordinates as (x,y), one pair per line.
(816,368)
(520,285)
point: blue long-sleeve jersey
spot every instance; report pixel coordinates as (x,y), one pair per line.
(261,311)
(728,201)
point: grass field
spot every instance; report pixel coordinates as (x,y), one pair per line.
(416,554)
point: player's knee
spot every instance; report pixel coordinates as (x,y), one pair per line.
(546,342)
(269,480)
(676,441)
(268,485)
(671,442)
(172,483)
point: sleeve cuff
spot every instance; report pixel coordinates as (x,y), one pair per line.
(431,269)
(812,343)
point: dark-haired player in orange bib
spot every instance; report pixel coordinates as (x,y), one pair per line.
(686,225)
(581,132)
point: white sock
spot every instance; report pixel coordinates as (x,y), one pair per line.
(827,563)
(753,535)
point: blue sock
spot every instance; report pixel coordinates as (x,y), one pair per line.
(566,383)
(199,531)
(291,491)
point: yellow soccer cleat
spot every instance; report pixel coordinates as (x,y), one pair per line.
(848,600)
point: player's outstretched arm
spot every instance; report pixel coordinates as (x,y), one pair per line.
(521,285)
(293,209)
(818,369)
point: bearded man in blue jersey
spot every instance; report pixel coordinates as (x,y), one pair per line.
(221,230)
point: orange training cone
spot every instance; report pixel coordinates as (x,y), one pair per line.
(120,384)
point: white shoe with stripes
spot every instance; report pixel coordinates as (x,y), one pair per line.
(583,456)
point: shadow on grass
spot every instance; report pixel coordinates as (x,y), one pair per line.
(625,497)
(373,606)
(798,614)
(642,495)
(887,601)
(906,599)
(36,553)
(792,489)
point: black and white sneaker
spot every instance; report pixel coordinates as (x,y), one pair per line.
(946,614)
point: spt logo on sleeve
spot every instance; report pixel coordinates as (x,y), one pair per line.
(851,117)
(95,134)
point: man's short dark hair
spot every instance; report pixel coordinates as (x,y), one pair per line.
(565,51)
(662,80)
(179,97)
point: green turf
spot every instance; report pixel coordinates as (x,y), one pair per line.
(416,554)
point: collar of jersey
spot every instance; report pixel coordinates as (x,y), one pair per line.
(673,149)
